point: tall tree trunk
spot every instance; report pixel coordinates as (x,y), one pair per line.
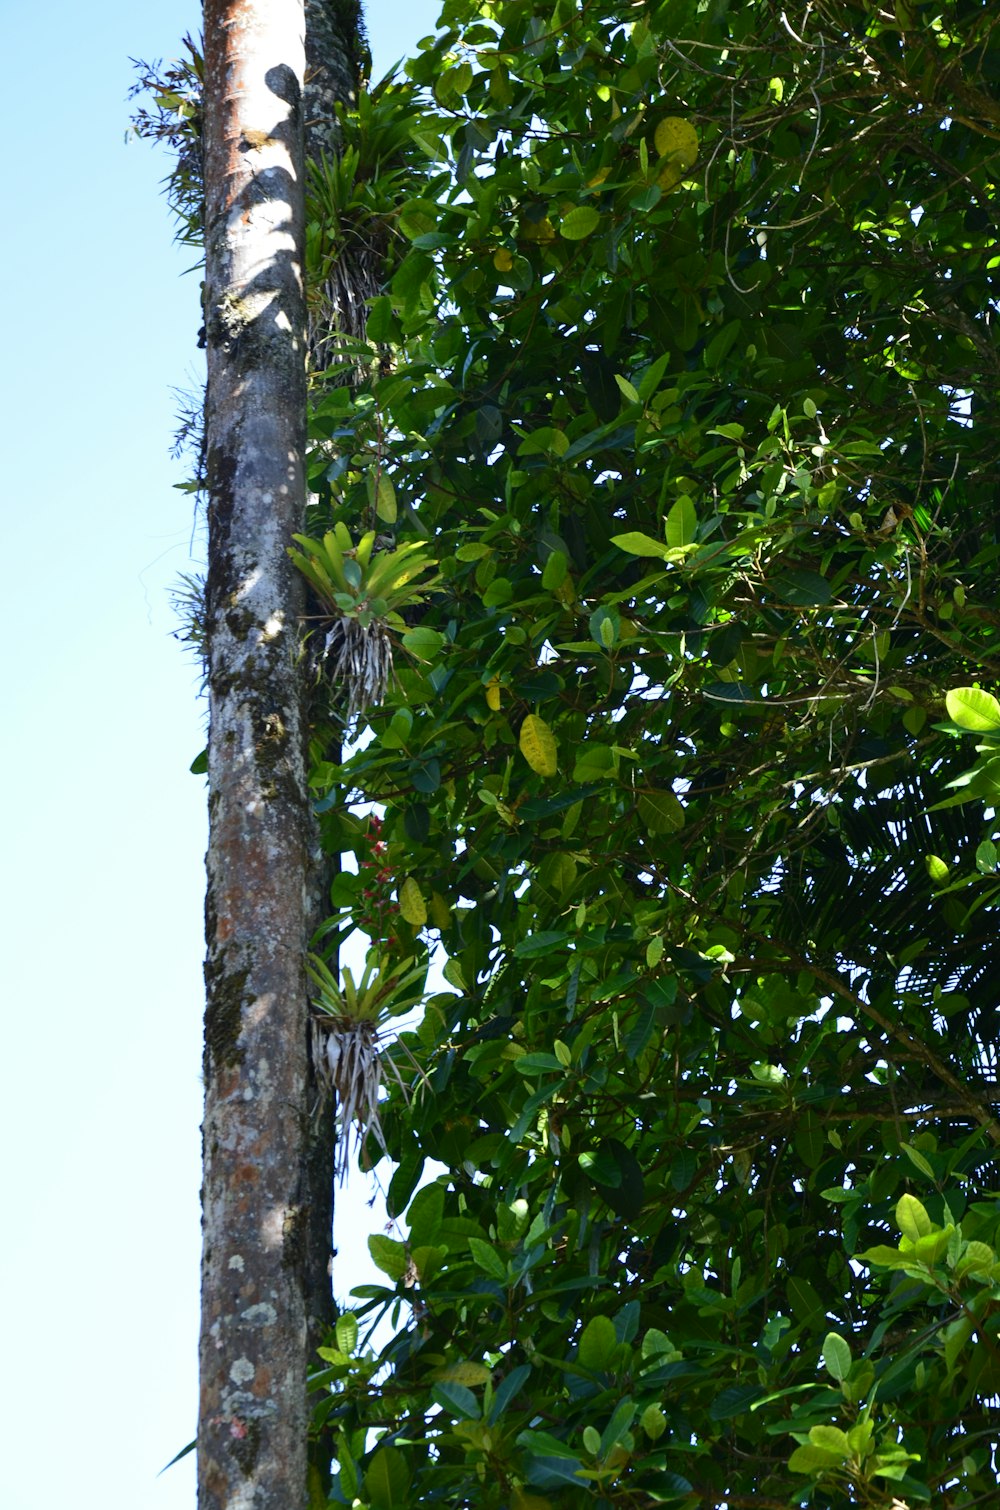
(252,1428)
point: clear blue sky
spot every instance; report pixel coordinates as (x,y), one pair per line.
(103,830)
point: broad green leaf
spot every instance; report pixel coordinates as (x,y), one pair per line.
(621,1419)
(912,1219)
(986,857)
(977,1258)
(486,1257)
(811,1459)
(681,523)
(597,1343)
(803,1299)
(837,1356)
(554,572)
(971,708)
(457,1400)
(661,812)
(388,1255)
(830,1439)
(424,643)
(579,223)
(387,1481)
(653,1422)
(881,1256)
(638,544)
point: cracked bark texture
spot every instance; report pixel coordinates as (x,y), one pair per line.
(336,59)
(253,1353)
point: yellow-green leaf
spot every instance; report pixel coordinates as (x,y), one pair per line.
(411,903)
(911,1218)
(971,708)
(628,390)
(469,1374)
(830,1439)
(653,1422)
(677,137)
(681,522)
(538,745)
(579,223)
(382,496)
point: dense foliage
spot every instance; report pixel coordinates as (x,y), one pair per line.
(685,376)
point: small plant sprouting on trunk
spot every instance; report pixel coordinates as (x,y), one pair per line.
(350,1024)
(363,591)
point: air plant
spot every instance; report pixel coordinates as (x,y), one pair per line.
(363,591)
(350,1024)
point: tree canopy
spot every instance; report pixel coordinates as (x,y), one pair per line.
(683,384)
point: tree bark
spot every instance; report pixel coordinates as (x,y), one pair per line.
(253,1413)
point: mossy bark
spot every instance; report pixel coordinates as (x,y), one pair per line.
(254,1357)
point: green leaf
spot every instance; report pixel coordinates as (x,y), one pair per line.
(811,1459)
(346,1332)
(986,857)
(621,1419)
(388,1255)
(918,1160)
(653,1422)
(592,1441)
(579,223)
(837,1356)
(554,573)
(542,943)
(381,323)
(803,1299)
(830,1439)
(387,1481)
(486,1257)
(805,589)
(604,625)
(971,708)
(384,498)
(597,1344)
(661,812)
(638,544)
(681,524)
(457,1400)
(628,392)
(912,1218)
(881,1256)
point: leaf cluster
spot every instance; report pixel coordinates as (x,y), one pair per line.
(687,381)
